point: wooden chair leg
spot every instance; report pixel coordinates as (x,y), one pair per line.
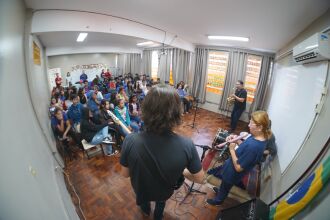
(102,150)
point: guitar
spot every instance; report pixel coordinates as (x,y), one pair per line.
(117,121)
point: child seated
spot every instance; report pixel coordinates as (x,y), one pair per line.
(134,108)
(122,114)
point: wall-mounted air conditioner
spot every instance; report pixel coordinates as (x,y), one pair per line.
(314,48)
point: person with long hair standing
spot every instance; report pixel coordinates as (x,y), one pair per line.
(156,158)
(245,157)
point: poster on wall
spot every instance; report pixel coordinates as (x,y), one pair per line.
(91,70)
(52,76)
(36,54)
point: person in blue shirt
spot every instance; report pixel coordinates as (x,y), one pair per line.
(183,94)
(83,76)
(62,127)
(74,112)
(248,154)
(93,103)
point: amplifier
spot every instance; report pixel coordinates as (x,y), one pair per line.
(254,209)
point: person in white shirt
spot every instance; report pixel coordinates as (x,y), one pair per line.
(99,95)
(68,79)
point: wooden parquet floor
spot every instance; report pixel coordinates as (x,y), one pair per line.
(104,194)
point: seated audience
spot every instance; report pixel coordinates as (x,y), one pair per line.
(86,86)
(105,117)
(122,94)
(99,95)
(62,127)
(137,89)
(95,133)
(54,103)
(112,85)
(134,109)
(122,114)
(74,112)
(130,89)
(107,75)
(82,96)
(93,103)
(96,81)
(103,75)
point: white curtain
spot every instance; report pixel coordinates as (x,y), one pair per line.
(180,65)
(146,62)
(130,63)
(236,70)
(200,74)
(164,65)
(263,82)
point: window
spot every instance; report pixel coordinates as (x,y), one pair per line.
(252,75)
(216,71)
(154,65)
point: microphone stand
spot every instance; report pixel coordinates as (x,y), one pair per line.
(193,123)
(191,187)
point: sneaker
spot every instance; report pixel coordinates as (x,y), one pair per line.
(215,189)
(113,153)
(213,202)
(107,141)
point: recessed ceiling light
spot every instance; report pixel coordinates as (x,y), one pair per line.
(82,37)
(244,39)
(147,43)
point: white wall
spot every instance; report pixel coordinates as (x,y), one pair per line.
(318,135)
(24,146)
(65,62)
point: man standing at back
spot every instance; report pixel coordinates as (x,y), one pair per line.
(156,159)
(239,105)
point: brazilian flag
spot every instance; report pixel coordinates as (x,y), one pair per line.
(288,208)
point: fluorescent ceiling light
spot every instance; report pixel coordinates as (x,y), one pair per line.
(147,43)
(244,39)
(82,37)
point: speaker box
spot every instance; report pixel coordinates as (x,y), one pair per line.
(254,209)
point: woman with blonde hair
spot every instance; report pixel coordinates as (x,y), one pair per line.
(245,157)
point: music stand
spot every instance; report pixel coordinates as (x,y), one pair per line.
(193,123)
(191,187)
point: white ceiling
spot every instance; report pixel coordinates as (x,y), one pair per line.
(94,39)
(269,24)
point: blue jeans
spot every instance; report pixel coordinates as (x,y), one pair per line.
(135,126)
(223,191)
(99,136)
(235,115)
(137,119)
